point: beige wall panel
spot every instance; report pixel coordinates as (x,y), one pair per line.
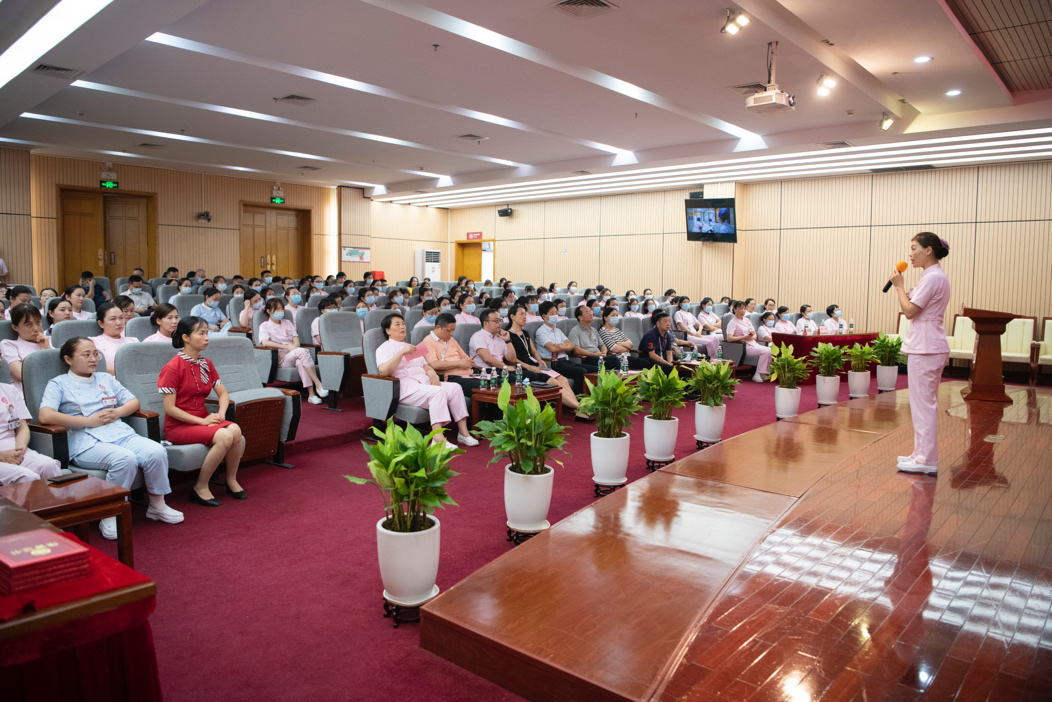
(187,248)
(629,262)
(719,189)
(756,264)
(421,224)
(759,205)
(526,222)
(570,259)
(889,245)
(473,219)
(827,202)
(16,247)
(808,276)
(635,213)
(394,257)
(918,197)
(675,215)
(1015,191)
(522,260)
(577,217)
(1016,251)
(696,268)
(14,182)
(354,211)
(45,254)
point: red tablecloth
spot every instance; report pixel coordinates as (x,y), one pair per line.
(804,345)
(106,656)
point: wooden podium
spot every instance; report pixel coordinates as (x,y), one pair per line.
(987,377)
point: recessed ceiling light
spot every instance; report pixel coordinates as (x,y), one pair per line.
(922,59)
(953,93)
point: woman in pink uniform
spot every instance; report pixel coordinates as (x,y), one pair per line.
(925,346)
(27,323)
(18,462)
(279,333)
(687,322)
(784,325)
(740,330)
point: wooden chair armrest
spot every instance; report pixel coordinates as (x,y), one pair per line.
(240,330)
(47,428)
(289,393)
(332,353)
(378,377)
(309,346)
(145,414)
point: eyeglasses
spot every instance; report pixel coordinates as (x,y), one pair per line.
(89,355)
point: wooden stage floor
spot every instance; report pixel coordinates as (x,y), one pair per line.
(789,563)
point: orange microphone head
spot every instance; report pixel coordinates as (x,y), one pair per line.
(901,266)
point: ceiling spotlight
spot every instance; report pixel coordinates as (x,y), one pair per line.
(922,59)
(886,121)
(735,21)
(825,84)
(953,93)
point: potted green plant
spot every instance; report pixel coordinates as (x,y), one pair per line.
(888,351)
(611,401)
(858,377)
(524,436)
(411,473)
(787,370)
(828,361)
(712,382)
(664,392)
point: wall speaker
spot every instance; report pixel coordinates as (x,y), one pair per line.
(504,212)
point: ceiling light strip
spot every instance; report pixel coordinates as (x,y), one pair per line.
(359,86)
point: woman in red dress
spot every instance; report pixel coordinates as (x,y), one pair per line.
(185,382)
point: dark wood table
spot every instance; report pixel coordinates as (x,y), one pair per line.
(481,397)
(76,505)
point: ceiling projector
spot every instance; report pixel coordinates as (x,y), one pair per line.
(771,100)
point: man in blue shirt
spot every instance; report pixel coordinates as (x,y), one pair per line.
(659,344)
(95,292)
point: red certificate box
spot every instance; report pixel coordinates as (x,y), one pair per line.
(31,550)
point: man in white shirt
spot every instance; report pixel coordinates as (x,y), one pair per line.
(142,299)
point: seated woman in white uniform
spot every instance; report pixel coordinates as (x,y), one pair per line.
(59,309)
(28,324)
(112,322)
(18,462)
(740,330)
(18,295)
(763,334)
(209,311)
(253,304)
(164,318)
(769,305)
(327,306)
(687,322)
(634,308)
(76,296)
(419,385)
(90,405)
(784,325)
(835,324)
(805,325)
(293,301)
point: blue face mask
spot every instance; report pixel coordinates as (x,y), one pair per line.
(591,297)
(213,303)
(533,308)
(503,311)
(614,320)
(430,319)
(257,288)
(708,308)
(634,308)
(651,308)
(370,299)
(650,297)
(296,299)
(552,319)
(684,305)
(361,312)
(268,279)
(469,308)
(785,317)
(808,315)
(319,284)
(184,291)
(239,295)
(837,313)
(220,287)
(769,322)
(278,316)
(399,299)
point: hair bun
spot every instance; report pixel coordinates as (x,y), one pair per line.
(944,244)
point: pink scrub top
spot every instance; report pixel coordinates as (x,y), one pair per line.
(927,333)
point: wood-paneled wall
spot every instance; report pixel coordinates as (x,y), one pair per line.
(16,224)
(182,240)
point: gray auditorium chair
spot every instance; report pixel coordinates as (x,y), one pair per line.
(340,362)
(381,301)
(412,317)
(463,333)
(185,303)
(418,334)
(89,306)
(139,328)
(720,310)
(381,393)
(633,329)
(531,329)
(754,318)
(156,283)
(274,373)
(819,317)
(314,301)
(32,288)
(6,331)
(574,301)
(165,292)
(304,318)
(726,319)
(350,301)
(64,331)
(402,283)
(374,317)
(795,317)
(120,283)
(234,308)
(268,417)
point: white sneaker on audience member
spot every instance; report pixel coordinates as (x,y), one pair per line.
(108,527)
(467,440)
(314,400)
(911,466)
(164,513)
(322,392)
(904,459)
(757,378)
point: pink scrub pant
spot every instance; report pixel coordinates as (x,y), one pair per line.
(34,467)
(300,358)
(438,401)
(924,371)
(761,354)
(710,342)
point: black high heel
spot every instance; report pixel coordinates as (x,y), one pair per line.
(197,499)
(238,495)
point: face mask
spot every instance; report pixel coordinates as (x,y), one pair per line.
(837,313)
(634,308)
(684,305)
(708,308)
(135,291)
(469,308)
(268,279)
(295,299)
(808,315)
(444,308)
(533,308)
(562,311)
(213,303)
(361,312)
(278,316)
(327,309)
(591,297)
(368,281)
(614,320)
(769,322)
(257,305)
(552,319)
(785,317)
(650,297)
(184,291)
(430,319)
(239,296)
(503,311)
(257,288)
(370,299)
(399,299)
(220,287)
(573,289)
(651,308)
(320,284)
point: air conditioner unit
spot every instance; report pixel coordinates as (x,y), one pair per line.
(429,264)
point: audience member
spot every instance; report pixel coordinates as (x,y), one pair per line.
(27,323)
(280,333)
(112,322)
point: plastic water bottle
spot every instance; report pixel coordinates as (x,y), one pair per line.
(518,376)
(851,325)
(719,352)
(624,364)
(503,376)
(484,380)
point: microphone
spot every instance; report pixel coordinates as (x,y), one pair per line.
(901,267)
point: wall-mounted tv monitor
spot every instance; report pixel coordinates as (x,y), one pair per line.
(712,219)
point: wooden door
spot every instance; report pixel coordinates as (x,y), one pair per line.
(82,236)
(127,244)
(274,239)
(288,244)
(469,260)
(253,241)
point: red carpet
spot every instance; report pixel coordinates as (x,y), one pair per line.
(278,597)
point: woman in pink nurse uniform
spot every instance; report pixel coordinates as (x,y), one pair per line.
(925,346)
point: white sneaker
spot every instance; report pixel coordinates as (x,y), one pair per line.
(108,527)
(314,400)
(164,513)
(757,378)
(911,466)
(904,459)
(322,392)
(467,440)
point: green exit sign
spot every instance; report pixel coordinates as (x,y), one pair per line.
(108,184)
(277,201)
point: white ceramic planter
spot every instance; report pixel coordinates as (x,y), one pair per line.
(708,422)
(408,563)
(610,460)
(887,376)
(858,383)
(828,389)
(659,438)
(786,402)
(527,499)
